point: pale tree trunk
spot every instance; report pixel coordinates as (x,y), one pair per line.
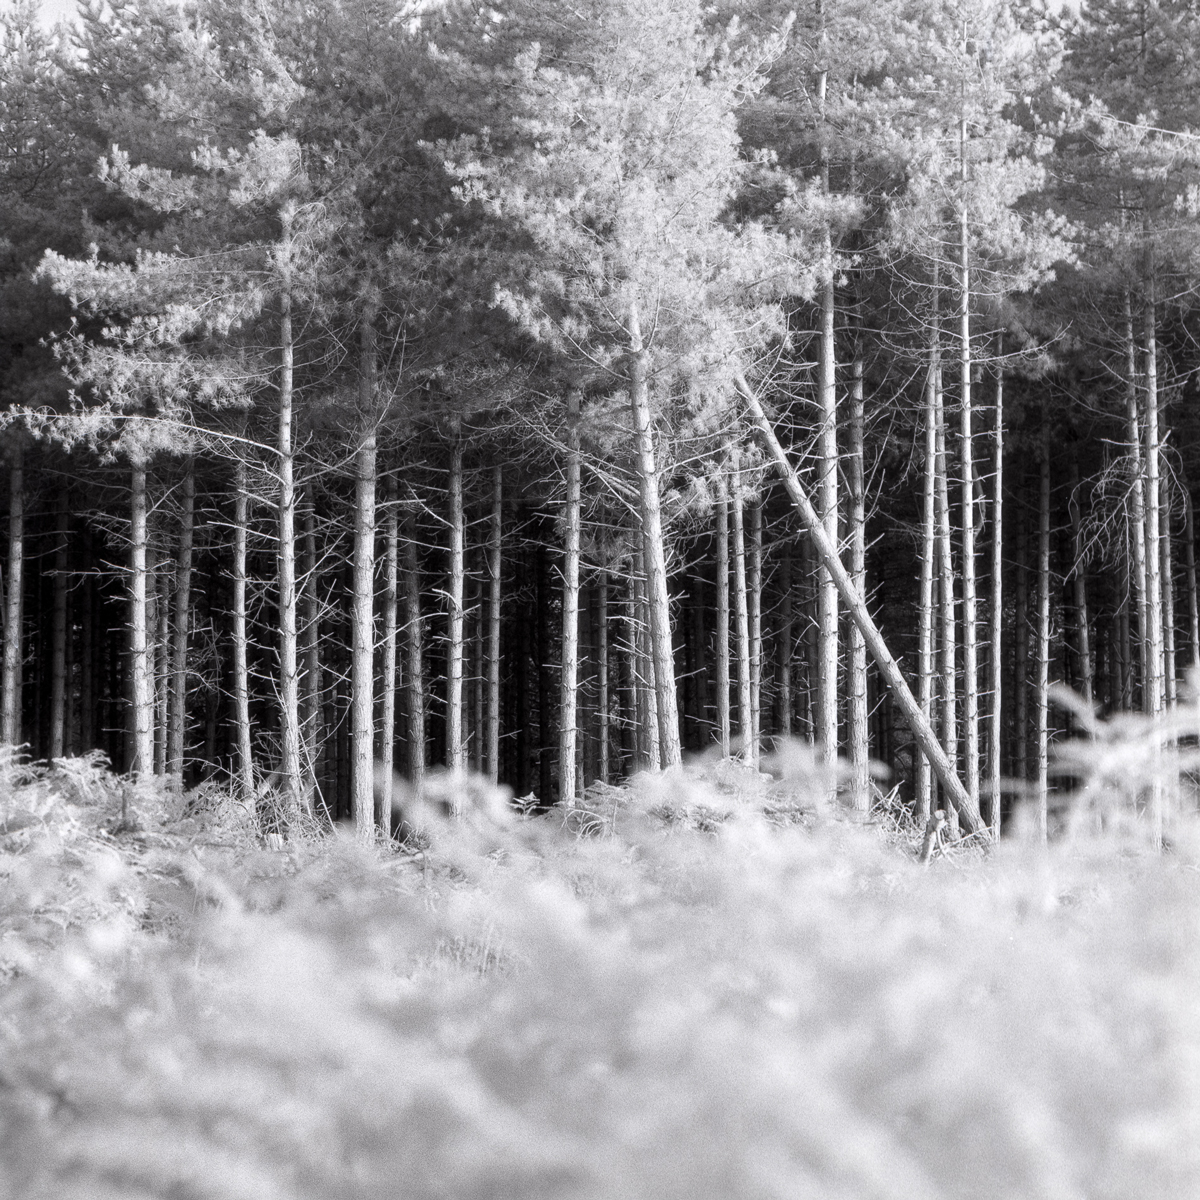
(754,602)
(362,600)
(183,608)
(786,638)
(724,722)
(644,669)
(923,782)
(415,674)
(388,668)
(1189,559)
(10,698)
(455,757)
(1083,647)
(58,647)
(1021,655)
(493,688)
(1042,685)
(569,680)
(142,763)
(289,679)
(949,636)
(160,658)
(996,659)
(970,602)
(310,647)
(741,614)
(889,670)
(857,710)
(657,596)
(1137,503)
(602,696)
(1168,590)
(244,762)
(1154,608)
(478,656)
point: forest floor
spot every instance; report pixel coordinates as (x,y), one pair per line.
(696,986)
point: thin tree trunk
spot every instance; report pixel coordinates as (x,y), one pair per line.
(857,709)
(1083,646)
(1154,607)
(289,680)
(602,697)
(415,674)
(1168,598)
(1137,496)
(949,655)
(724,731)
(923,783)
(569,696)
(1021,656)
(1042,686)
(58,649)
(142,761)
(657,596)
(970,601)
(754,601)
(160,659)
(183,608)
(455,756)
(787,636)
(362,598)
(391,623)
(244,770)
(310,647)
(996,658)
(826,549)
(493,705)
(740,607)
(10,699)
(1189,559)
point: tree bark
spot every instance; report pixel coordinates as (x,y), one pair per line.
(160,657)
(724,723)
(1189,559)
(1083,646)
(970,601)
(949,637)
(1042,686)
(455,756)
(857,709)
(391,623)
(569,693)
(142,760)
(58,648)
(244,768)
(923,783)
(787,638)
(602,697)
(826,549)
(1021,655)
(493,705)
(996,658)
(740,607)
(10,698)
(1154,608)
(362,599)
(415,673)
(1137,505)
(754,603)
(657,596)
(183,607)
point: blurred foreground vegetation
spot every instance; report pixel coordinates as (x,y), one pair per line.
(697,986)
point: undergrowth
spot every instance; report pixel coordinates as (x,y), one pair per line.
(705,985)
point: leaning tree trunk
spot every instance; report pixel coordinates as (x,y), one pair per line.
(289,678)
(493,681)
(58,646)
(657,597)
(10,697)
(569,691)
(857,709)
(740,608)
(724,722)
(244,769)
(142,760)
(827,551)
(183,607)
(362,599)
(1042,686)
(455,755)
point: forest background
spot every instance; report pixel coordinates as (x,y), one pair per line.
(489,387)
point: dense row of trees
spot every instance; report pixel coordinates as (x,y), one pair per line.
(552,390)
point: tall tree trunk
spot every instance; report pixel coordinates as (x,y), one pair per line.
(949,639)
(1189,559)
(1042,688)
(142,761)
(923,782)
(754,604)
(1083,647)
(996,658)
(1168,597)
(183,608)
(1021,655)
(602,688)
(1137,498)
(388,670)
(289,679)
(455,756)
(415,673)
(310,648)
(657,596)
(362,597)
(970,602)
(58,648)
(493,705)
(787,636)
(244,761)
(10,697)
(740,607)
(1154,610)
(89,693)
(568,720)
(160,658)
(724,722)
(857,709)
(827,551)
